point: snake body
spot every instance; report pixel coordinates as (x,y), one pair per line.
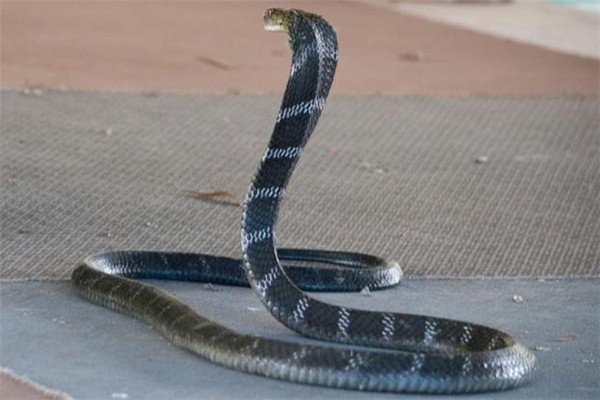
(407,353)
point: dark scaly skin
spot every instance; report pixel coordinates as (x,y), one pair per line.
(431,355)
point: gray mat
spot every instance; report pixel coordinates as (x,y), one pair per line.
(395,176)
(63,342)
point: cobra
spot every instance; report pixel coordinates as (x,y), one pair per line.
(406,352)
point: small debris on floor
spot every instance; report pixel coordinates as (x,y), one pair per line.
(365,165)
(210,287)
(365,292)
(517,298)
(542,348)
(220,195)
(413,56)
(481,160)
(253,309)
(105,234)
(214,62)
(119,396)
(566,338)
(33,91)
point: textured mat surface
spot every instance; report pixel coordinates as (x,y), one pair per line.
(59,340)
(395,176)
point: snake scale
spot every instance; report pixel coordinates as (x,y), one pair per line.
(397,353)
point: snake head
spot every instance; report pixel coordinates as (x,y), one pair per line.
(300,26)
(279,19)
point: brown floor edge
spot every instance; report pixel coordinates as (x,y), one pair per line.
(222,47)
(15,387)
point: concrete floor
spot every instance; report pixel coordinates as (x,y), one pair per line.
(190,46)
(53,337)
(553,26)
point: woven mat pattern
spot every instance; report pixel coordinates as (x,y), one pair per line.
(394,176)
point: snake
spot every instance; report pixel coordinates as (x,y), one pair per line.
(378,351)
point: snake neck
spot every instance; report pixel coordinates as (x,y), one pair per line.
(314,45)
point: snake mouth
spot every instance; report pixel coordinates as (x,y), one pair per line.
(277,20)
